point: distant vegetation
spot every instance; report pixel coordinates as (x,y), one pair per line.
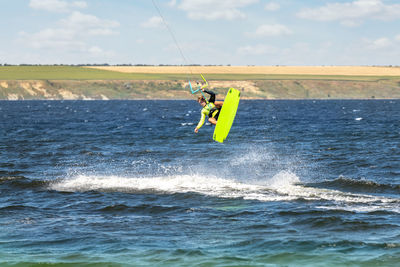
(166,89)
(64,72)
(78,82)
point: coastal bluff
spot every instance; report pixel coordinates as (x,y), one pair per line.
(61,82)
(165,89)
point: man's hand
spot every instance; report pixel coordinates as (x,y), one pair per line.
(196,130)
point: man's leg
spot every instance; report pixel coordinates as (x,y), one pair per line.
(212,121)
(218,104)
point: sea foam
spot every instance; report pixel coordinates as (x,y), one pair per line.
(284,186)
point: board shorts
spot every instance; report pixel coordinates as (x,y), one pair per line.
(214,113)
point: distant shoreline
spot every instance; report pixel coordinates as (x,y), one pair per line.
(57,72)
(120,82)
(266,70)
(178,89)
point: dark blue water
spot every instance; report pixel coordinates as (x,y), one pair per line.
(128,183)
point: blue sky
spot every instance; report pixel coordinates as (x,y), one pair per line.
(236,32)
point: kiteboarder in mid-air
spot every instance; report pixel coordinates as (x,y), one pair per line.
(211,108)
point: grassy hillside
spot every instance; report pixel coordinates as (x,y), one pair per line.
(164,89)
(68,73)
(92,89)
(83,73)
(66,82)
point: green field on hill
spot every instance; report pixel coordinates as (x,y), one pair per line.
(82,73)
(70,82)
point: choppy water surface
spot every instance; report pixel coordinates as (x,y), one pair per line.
(119,183)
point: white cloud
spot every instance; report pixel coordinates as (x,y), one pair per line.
(72,34)
(97,52)
(271,30)
(259,49)
(215,9)
(272,6)
(380,43)
(351,13)
(52,38)
(351,23)
(172,3)
(57,6)
(87,24)
(153,22)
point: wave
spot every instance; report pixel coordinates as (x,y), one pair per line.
(21,182)
(284,186)
(142,208)
(367,186)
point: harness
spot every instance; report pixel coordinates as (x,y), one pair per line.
(211,109)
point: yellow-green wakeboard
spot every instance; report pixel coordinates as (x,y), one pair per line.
(227,115)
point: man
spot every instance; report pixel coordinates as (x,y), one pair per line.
(211,108)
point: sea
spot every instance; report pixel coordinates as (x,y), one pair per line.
(129,183)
